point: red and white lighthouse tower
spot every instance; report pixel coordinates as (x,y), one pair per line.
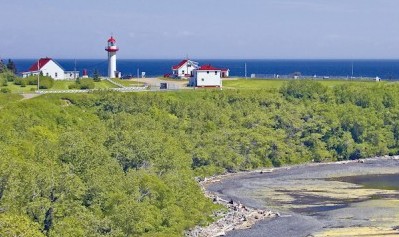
(112,49)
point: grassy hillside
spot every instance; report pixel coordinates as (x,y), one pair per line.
(123,164)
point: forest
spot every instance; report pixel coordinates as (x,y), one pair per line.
(127,164)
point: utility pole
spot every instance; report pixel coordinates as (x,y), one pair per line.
(74,73)
(38,74)
(245,70)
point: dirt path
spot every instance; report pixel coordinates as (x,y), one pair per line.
(29,96)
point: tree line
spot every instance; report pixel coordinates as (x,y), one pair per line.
(124,164)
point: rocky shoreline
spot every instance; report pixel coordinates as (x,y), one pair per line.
(239,217)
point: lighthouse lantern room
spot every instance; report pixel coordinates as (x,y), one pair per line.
(112,49)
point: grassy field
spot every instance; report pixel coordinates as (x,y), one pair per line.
(130,82)
(58,85)
(18,89)
(63,85)
(104,85)
(8,98)
(276,84)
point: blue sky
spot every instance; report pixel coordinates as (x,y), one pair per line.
(258,29)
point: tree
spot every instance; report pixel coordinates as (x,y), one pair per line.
(3,68)
(11,66)
(96,76)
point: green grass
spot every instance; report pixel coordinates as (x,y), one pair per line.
(171,79)
(276,84)
(18,89)
(58,85)
(103,84)
(8,98)
(130,82)
(64,85)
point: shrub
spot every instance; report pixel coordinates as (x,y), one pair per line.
(11,77)
(5,90)
(83,84)
(46,82)
(304,89)
(86,83)
(73,86)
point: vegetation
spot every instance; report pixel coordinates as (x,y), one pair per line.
(83,84)
(96,76)
(123,164)
(130,82)
(277,83)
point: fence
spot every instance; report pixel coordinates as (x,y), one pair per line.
(294,76)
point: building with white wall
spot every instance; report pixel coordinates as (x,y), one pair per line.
(112,49)
(207,76)
(49,67)
(184,69)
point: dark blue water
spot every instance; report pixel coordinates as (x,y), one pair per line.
(385,69)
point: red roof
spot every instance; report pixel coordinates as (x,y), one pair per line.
(111,40)
(40,63)
(180,64)
(208,68)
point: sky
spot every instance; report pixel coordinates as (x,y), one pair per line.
(204,29)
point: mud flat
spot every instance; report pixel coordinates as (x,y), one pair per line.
(318,199)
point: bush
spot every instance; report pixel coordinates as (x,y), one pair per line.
(46,82)
(5,90)
(83,84)
(304,89)
(86,83)
(73,86)
(11,77)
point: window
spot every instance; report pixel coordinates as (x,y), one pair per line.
(207,72)
(202,79)
(216,72)
(56,75)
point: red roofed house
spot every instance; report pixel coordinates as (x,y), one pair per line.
(49,67)
(207,76)
(184,69)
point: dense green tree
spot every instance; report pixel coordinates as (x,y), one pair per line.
(123,164)
(11,66)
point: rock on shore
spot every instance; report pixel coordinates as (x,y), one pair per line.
(236,217)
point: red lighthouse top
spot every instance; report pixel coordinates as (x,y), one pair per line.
(111,45)
(111,40)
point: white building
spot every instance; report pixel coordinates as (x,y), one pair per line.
(49,67)
(112,49)
(207,76)
(225,72)
(184,69)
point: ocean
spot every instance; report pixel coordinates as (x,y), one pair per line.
(385,69)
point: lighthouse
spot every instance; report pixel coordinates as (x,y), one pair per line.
(112,49)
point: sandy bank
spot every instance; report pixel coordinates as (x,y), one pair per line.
(309,204)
